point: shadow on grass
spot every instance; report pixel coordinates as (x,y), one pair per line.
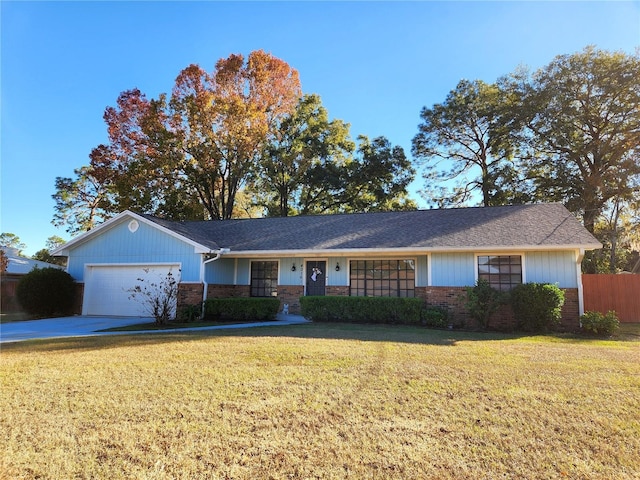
(326,331)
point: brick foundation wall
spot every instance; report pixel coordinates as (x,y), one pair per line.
(226,291)
(451,298)
(341,291)
(570,311)
(454,298)
(190,294)
(78,298)
(290,294)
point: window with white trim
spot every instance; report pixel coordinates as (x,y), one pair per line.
(503,272)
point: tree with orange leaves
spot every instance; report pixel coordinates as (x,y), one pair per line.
(186,156)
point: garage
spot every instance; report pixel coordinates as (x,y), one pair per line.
(108,288)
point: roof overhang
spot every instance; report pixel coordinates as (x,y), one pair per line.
(362,252)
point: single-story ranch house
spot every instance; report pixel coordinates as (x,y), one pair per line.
(430,254)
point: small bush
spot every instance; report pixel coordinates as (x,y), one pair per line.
(241,309)
(46,292)
(595,323)
(157,296)
(406,311)
(190,313)
(435,317)
(537,306)
(482,302)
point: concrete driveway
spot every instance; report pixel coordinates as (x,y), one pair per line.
(81,326)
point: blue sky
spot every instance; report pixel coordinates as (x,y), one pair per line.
(374,64)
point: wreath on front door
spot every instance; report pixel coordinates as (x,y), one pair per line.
(314,273)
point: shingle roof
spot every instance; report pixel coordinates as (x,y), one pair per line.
(506,227)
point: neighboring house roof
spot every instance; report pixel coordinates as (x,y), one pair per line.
(18,265)
(542,226)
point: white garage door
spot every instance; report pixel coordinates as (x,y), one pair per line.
(107,288)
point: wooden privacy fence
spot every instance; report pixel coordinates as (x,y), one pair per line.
(613,292)
(8,285)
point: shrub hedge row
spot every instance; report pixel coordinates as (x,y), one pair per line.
(537,306)
(241,309)
(363,309)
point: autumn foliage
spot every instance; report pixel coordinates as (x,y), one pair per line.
(187,155)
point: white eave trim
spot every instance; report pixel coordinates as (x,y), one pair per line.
(63,250)
(405,250)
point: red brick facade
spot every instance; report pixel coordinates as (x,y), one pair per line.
(190,294)
(570,311)
(226,291)
(337,291)
(290,295)
(79,298)
(453,299)
(450,298)
(287,294)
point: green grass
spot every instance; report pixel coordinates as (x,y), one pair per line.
(321,401)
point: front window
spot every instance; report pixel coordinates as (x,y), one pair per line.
(382,278)
(503,272)
(264,279)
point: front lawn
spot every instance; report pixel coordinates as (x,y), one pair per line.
(320,401)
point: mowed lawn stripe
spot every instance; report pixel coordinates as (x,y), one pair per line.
(320,401)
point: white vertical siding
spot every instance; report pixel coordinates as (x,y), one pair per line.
(146,245)
(287,277)
(552,267)
(422,271)
(243,272)
(221,271)
(341,278)
(453,269)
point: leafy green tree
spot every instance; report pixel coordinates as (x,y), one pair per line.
(378,178)
(82,202)
(462,142)
(300,167)
(44,254)
(618,228)
(579,118)
(11,240)
(374,178)
(312,166)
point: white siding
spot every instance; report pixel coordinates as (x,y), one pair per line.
(341,278)
(286,276)
(422,271)
(221,271)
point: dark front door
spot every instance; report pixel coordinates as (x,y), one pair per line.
(316,277)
